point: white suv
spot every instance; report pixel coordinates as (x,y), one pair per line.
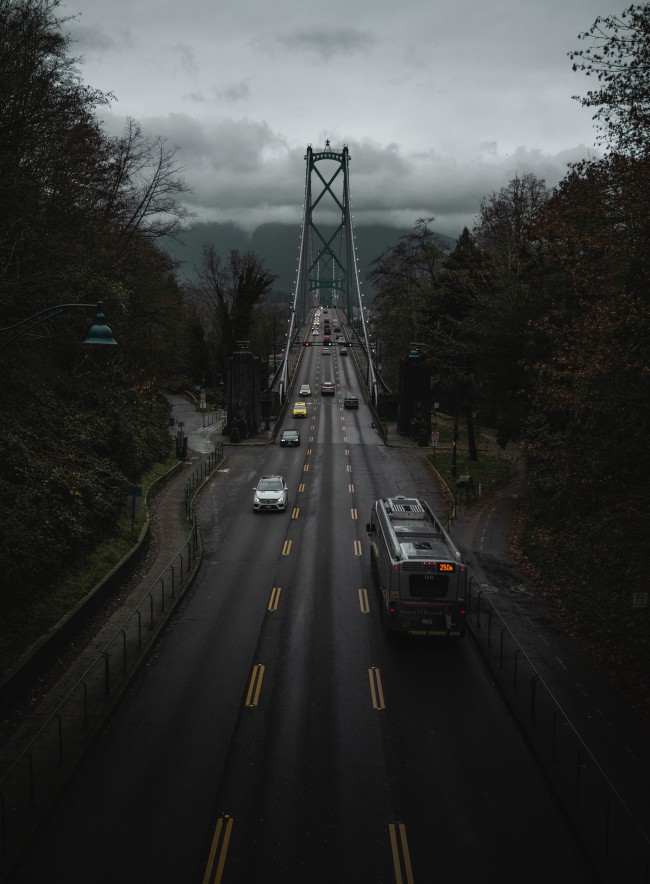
(270,494)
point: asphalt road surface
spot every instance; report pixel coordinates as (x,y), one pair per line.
(276,734)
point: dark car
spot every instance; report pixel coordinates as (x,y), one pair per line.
(327,388)
(350,402)
(290,437)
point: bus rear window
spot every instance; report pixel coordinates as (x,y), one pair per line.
(428,586)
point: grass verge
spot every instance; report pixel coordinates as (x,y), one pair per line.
(79,579)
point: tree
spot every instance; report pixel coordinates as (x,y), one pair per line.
(619,58)
(229,291)
(589,468)
(406,279)
(51,140)
(80,218)
(502,228)
(506,298)
(457,362)
(143,186)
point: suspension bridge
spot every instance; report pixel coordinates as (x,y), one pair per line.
(327,276)
(328,267)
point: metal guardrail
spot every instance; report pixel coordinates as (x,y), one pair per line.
(199,476)
(32,781)
(607,828)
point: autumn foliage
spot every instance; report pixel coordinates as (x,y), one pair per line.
(546,306)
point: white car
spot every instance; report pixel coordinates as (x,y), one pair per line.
(270,494)
(305,390)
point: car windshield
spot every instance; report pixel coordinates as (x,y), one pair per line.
(270,485)
(290,434)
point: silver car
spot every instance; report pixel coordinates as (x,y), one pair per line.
(270,494)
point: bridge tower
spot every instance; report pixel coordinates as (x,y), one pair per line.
(328,268)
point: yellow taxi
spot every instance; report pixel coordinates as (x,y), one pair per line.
(299,409)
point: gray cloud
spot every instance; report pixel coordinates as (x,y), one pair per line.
(98,40)
(326,42)
(234,92)
(185,56)
(240,170)
(439,104)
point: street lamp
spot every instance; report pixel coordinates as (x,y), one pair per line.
(98,333)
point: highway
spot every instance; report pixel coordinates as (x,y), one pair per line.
(276,733)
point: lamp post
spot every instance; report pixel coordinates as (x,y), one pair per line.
(98,333)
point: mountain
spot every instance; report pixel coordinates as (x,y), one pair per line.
(278,245)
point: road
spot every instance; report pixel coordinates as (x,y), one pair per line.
(276,734)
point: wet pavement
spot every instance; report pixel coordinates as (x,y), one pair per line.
(618,738)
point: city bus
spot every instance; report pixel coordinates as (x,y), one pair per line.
(418,570)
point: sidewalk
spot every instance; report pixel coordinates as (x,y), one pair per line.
(96,657)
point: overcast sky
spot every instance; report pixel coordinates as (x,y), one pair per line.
(440,103)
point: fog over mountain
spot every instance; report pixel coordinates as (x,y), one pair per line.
(278,245)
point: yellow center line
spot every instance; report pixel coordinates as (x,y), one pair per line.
(286,549)
(363,600)
(351,488)
(274,599)
(401,860)
(295,512)
(349,468)
(305,468)
(353,512)
(358,549)
(376,690)
(301,487)
(218,848)
(255,685)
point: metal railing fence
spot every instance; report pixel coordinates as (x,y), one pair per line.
(32,781)
(606,826)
